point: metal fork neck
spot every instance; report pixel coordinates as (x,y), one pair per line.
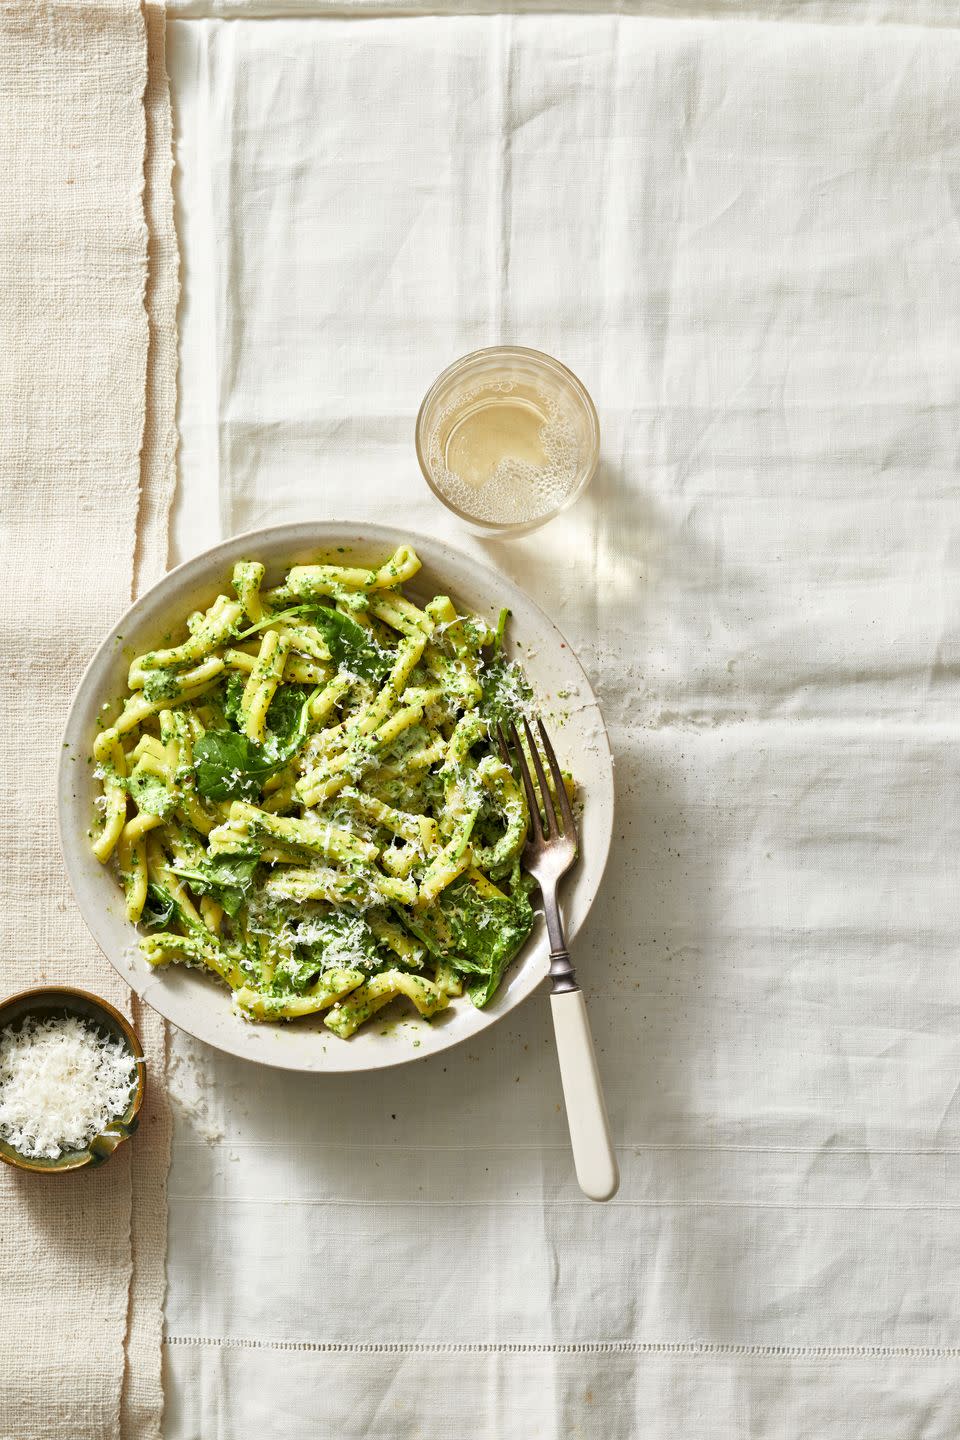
(562,974)
(561,970)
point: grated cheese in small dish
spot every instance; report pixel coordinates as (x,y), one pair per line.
(61,1082)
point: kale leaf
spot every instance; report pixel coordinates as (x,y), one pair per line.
(232,697)
(487,933)
(285,714)
(351,647)
(227,878)
(158,909)
(341,939)
(231,766)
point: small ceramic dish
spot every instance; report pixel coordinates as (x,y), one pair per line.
(53,1000)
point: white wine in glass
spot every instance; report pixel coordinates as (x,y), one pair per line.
(507,438)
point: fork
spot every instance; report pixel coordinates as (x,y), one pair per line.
(551,851)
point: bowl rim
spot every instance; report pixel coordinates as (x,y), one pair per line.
(290,536)
(39,992)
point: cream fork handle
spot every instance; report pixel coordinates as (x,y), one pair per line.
(593,1153)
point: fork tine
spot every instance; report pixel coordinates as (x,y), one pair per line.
(528,789)
(552,827)
(566,810)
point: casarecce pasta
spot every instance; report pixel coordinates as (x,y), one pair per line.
(304,796)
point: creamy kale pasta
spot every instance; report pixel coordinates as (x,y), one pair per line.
(305,797)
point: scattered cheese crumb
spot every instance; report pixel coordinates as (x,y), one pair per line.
(61,1083)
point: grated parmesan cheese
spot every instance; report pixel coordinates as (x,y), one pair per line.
(61,1082)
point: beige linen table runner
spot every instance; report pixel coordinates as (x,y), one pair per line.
(87,377)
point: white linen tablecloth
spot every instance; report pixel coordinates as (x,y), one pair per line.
(744,238)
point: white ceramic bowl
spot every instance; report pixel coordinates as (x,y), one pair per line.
(196,1002)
